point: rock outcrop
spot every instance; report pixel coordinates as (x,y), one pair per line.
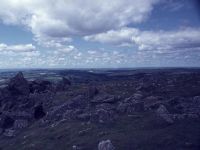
(63,84)
(39,86)
(23,103)
(18,85)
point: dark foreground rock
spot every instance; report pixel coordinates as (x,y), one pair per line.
(63,84)
(18,85)
(132,111)
(39,86)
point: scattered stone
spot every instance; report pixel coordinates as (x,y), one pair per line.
(122,107)
(83,132)
(104,98)
(84,117)
(106,106)
(105,145)
(164,114)
(19,124)
(68,115)
(9,133)
(103,116)
(178,116)
(196,100)
(19,115)
(130,107)
(75,147)
(18,104)
(138,95)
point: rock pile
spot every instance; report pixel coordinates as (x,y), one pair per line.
(23,102)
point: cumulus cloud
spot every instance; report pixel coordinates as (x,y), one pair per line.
(91,52)
(52,42)
(24,55)
(121,37)
(67,49)
(185,38)
(168,40)
(21,48)
(66,18)
(58,25)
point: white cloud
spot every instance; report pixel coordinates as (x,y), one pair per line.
(122,36)
(21,48)
(55,24)
(168,40)
(66,18)
(160,41)
(91,52)
(52,42)
(67,49)
(23,55)
(31,54)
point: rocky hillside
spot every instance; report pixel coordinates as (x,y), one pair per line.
(158,110)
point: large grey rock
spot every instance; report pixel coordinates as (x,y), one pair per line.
(138,95)
(67,115)
(130,107)
(104,98)
(6,121)
(18,85)
(164,114)
(138,106)
(77,102)
(40,86)
(103,116)
(152,102)
(105,145)
(19,124)
(84,117)
(92,91)
(106,106)
(63,84)
(68,110)
(19,115)
(5,93)
(122,107)
(9,133)
(196,100)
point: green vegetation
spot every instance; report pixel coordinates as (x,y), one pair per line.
(139,131)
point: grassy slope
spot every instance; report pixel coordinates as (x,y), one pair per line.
(143,133)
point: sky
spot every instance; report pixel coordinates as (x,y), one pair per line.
(99,33)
